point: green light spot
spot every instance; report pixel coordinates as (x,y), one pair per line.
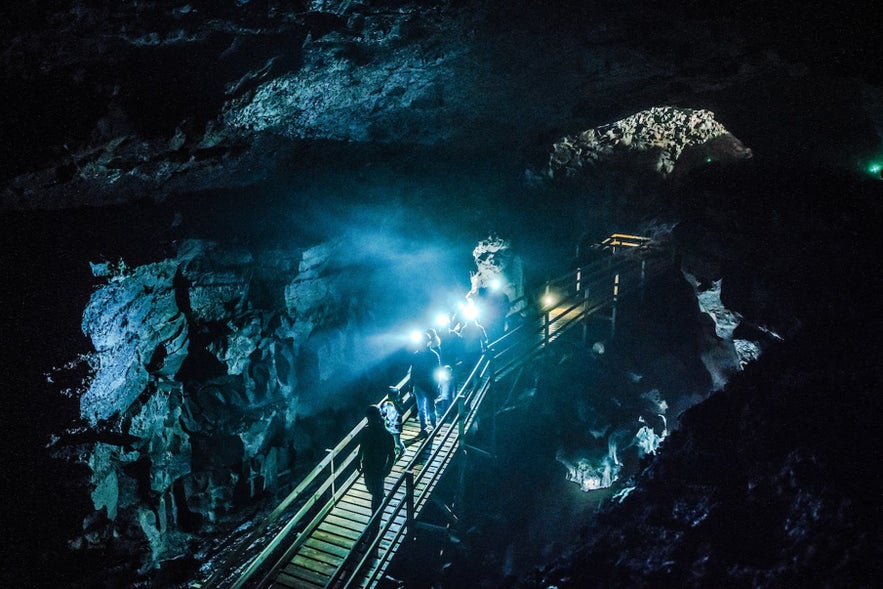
(875,168)
(708,160)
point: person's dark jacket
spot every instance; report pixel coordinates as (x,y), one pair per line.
(474,338)
(423,367)
(377,451)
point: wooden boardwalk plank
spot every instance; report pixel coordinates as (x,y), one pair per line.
(352,513)
(331,542)
(350,535)
(345,523)
(332,550)
(303,574)
(323,552)
(333,535)
(357,508)
(286,581)
(316,566)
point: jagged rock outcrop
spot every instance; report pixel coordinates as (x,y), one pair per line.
(255,80)
(196,372)
(136,326)
(497,268)
(736,497)
(667,140)
(722,355)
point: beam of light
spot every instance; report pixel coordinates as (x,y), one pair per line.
(496,284)
(416,336)
(442,320)
(470,311)
(548,299)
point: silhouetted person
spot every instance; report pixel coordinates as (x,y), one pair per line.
(375,459)
(446,390)
(449,348)
(423,366)
(501,304)
(494,305)
(474,343)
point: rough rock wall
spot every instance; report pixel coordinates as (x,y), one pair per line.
(377,77)
(198,375)
(175,99)
(497,267)
(658,136)
(744,494)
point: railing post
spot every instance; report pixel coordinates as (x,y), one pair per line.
(461,419)
(613,310)
(585,316)
(409,499)
(492,381)
(333,491)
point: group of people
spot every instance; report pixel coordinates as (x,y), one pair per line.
(432,374)
(433,386)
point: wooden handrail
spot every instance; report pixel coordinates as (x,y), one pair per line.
(465,397)
(254,563)
(513,348)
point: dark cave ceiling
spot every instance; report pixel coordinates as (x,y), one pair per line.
(111,102)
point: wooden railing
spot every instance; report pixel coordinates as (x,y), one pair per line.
(331,474)
(461,413)
(535,320)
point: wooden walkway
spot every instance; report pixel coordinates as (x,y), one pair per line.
(325,544)
(319,557)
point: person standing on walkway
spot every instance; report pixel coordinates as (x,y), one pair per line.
(475,341)
(447,388)
(375,459)
(392,419)
(423,370)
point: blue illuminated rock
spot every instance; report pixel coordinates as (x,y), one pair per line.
(132,320)
(669,140)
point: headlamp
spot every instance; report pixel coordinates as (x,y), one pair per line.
(470,311)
